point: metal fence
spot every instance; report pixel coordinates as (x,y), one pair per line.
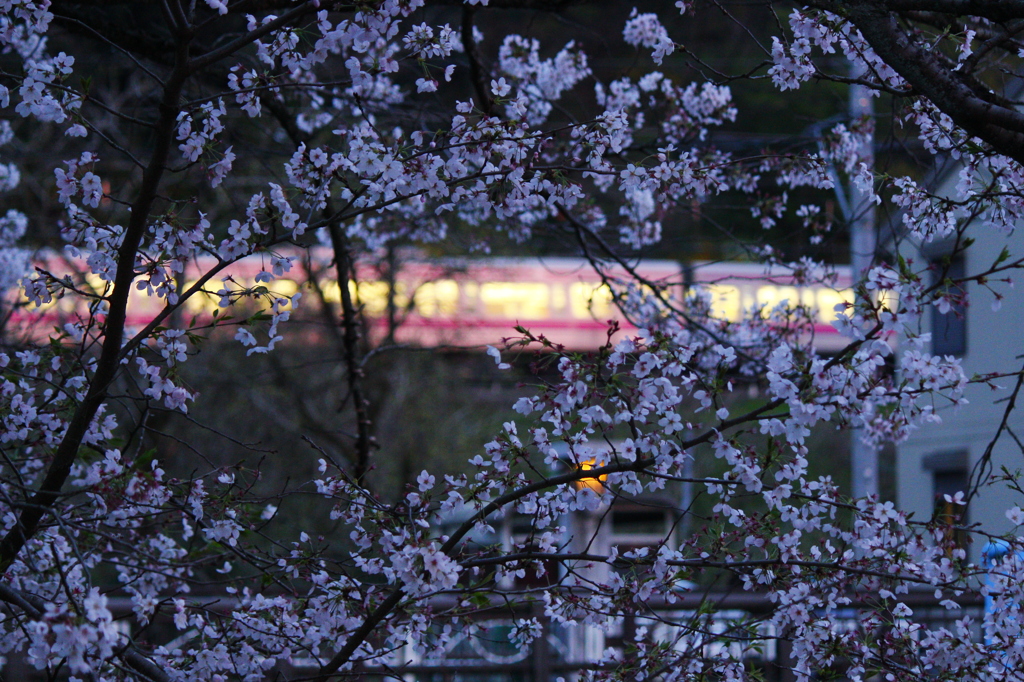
(736,624)
(740,627)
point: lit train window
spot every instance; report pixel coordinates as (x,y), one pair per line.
(515,300)
(558,299)
(373,296)
(470,297)
(587,299)
(726,301)
(889,299)
(330,291)
(729,301)
(771,295)
(440,298)
(823,301)
(200,302)
(23,300)
(283,287)
(96,284)
(65,305)
(828,299)
(207,301)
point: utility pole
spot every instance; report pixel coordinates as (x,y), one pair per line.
(863,241)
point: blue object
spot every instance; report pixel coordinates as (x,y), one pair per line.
(993,554)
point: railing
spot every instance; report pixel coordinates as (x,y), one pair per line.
(740,627)
(740,621)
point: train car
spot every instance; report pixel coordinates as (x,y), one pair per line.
(454,302)
(739,289)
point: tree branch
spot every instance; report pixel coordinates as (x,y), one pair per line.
(109,361)
(34,608)
(476,74)
(1003,10)
(922,67)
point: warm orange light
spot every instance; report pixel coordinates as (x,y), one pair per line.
(597,483)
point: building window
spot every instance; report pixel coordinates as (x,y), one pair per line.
(949,477)
(949,329)
(641,525)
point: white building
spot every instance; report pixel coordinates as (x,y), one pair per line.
(940,459)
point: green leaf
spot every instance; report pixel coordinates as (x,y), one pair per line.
(1003,256)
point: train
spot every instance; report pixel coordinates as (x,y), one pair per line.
(458,302)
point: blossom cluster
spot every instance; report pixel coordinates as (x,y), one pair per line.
(93,523)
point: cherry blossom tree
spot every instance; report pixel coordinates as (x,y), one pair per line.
(265,129)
